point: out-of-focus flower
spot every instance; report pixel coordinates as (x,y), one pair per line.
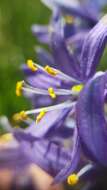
(65,15)
(74,77)
(19,151)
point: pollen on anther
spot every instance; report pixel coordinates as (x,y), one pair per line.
(20,116)
(77,88)
(73,179)
(31,65)
(50,70)
(19,86)
(52,93)
(23,115)
(40,116)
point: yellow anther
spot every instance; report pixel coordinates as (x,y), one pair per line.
(20,116)
(69,19)
(40,116)
(73,179)
(77,88)
(50,70)
(23,115)
(6,138)
(16,117)
(52,93)
(31,65)
(19,86)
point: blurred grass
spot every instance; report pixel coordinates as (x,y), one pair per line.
(16,45)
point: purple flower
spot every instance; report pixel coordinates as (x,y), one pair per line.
(68,18)
(91,119)
(79,83)
(21,148)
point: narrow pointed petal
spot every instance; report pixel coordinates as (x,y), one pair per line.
(91,119)
(14,157)
(76,41)
(41,32)
(74,8)
(50,156)
(96,4)
(72,164)
(93,48)
(67,62)
(55,154)
(52,120)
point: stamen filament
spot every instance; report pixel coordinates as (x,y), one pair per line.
(85,169)
(35,91)
(67,104)
(60,74)
(30,89)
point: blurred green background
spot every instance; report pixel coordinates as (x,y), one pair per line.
(16,45)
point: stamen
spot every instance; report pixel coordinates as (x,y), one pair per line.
(31,65)
(40,116)
(19,86)
(77,88)
(73,179)
(50,70)
(52,93)
(34,90)
(69,19)
(20,116)
(60,75)
(67,104)
(23,115)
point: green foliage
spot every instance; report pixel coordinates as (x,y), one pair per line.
(16,45)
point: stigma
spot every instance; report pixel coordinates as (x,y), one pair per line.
(73,179)
(40,116)
(31,65)
(19,86)
(52,93)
